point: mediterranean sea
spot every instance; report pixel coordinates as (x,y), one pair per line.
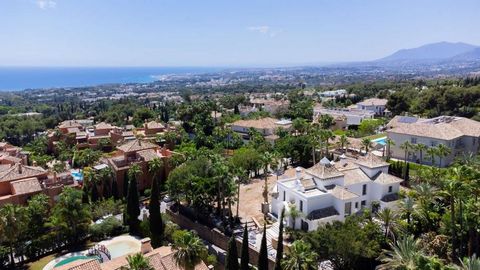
(20,78)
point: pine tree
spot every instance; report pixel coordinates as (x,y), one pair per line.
(155,219)
(263,256)
(232,255)
(278,259)
(245,249)
(133,207)
(115,194)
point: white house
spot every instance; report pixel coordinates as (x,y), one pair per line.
(353,117)
(266,126)
(330,191)
(376,105)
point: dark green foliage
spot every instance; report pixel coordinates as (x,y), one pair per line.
(126,181)
(133,207)
(245,255)
(231,262)
(263,255)
(279,257)
(115,194)
(85,198)
(155,219)
(95,195)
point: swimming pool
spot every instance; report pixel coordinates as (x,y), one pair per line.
(74,258)
(77,175)
(382,140)
(122,245)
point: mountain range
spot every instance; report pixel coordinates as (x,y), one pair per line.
(435,52)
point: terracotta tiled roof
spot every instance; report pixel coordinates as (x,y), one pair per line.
(371,161)
(25,186)
(69,124)
(355,176)
(443,127)
(154,125)
(11,158)
(373,102)
(148,154)
(386,179)
(19,171)
(4,167)
(103,125)
(136,145)
(324,171)
(81,265)
(342,193)
(263,123)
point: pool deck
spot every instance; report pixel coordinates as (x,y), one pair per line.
(52,263)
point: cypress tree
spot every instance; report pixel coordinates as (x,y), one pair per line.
(133,207)
(245,255)
(85,198)
(126,180)
(407,172)
(155,219)
(232,255)
(279,257)
(95,194)
(263,256)
(115,194)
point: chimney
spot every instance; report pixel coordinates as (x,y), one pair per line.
(54,176)
(298,172)
(146,245)
(20,169)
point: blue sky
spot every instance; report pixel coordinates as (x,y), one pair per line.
(224,32)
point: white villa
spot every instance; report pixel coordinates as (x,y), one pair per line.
(330,191)
(376,105)
(347,117)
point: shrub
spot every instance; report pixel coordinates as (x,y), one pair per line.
(109,227)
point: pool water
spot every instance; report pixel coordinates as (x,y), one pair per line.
(382,141)
(74,258)
(77,175)
(122,248)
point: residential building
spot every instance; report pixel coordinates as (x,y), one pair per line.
(376,105)
(161,258)
(136,152)
(266,126)
(150,129)
(334,93)
(343,117)
(270,105)
(331,191)
(461,135)
(19,182)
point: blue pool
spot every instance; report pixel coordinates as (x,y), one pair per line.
(77,175)
(382,141)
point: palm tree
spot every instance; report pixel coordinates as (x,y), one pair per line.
(137,262)
(407,147)
(421,148)
(154,167)
(472,263)
(389,142)
(343,142)
(366,143)
(432,153)
(189,250)
(403,255)
(300,257)
(13,220)
(442,151)
(389,220)
(450,191)
(267,159)
(294,213)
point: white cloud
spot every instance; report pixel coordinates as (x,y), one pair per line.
(265,30)
(46,4)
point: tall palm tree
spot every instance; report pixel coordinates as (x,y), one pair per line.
(343,142)
(137,262)
(188,249)
(267,159)
(389,143)
(13,220)
(154,167)
(389,220)
(407,208)
(366,143)
(442,151)
(407,147)
(432,153)
(421,148)
(450,191)
(294,213)
(403,254)
(300,257)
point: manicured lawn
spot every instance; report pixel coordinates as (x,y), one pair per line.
(38,265)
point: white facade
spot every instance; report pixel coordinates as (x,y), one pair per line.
(331,191)
(375,105)
(352,116)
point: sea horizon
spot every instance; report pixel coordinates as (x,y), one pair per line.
(18,78)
